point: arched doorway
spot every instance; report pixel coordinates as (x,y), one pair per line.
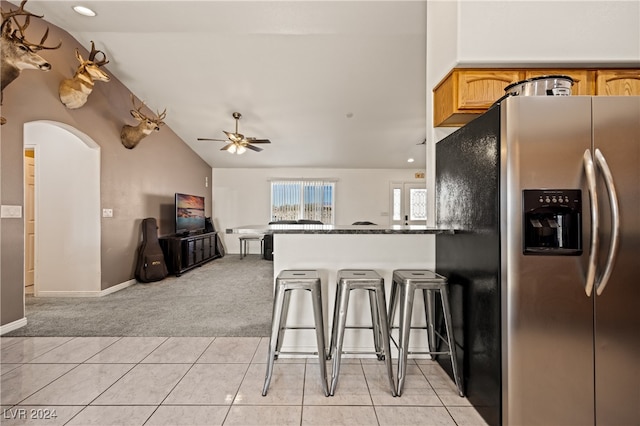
(66,210)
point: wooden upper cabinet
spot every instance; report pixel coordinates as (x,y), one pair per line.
(618,82)
(584,81)
(480,89)
(465,93)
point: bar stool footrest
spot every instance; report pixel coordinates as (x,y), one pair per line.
(358,327)
(295,353)
(298,328)
(438,335)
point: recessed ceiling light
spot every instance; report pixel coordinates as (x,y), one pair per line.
(85,11)
(410,160)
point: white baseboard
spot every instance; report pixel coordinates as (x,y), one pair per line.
(23,321)
(13,326)
(100,293)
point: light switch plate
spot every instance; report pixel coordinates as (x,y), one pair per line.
(11,212)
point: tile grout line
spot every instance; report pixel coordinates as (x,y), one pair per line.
(179,380)
(373,405)
(71,338)
(119,378)
(244,376)
(426,371)
(304,382)
(446,407)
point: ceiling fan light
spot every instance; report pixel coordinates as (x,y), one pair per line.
(241,150)
(232,149)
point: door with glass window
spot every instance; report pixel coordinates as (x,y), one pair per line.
(408,203)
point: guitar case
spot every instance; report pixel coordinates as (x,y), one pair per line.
(151,265)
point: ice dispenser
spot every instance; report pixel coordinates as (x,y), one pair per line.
(552,222)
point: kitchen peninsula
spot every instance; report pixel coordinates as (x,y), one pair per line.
(329,248)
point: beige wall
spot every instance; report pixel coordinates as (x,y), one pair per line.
(243,195)
(135,183)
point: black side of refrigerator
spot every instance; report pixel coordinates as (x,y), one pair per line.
(467,191)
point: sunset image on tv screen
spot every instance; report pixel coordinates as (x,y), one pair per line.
(189,212)
(190,202)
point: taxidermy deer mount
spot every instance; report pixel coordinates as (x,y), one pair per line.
(75,91)
(132,135)
(16,52)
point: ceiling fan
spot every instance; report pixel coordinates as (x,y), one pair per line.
(237,142)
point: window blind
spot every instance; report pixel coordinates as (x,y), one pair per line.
(309,199)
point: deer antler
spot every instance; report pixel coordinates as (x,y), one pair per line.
(159,116)
(20,11)
(133,101)
(18,34)
(93,54)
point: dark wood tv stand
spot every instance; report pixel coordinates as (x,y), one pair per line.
(184,252)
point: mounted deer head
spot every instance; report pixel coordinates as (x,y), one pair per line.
(16,52)
(132,135)
(75,91)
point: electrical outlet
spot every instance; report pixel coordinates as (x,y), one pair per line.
(107,212)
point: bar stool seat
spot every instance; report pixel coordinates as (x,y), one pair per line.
(244,243)
(373,283)
(406,282)
(287,281)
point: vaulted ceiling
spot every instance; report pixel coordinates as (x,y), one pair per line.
(337,84)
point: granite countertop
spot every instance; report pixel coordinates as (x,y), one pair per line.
(337,229)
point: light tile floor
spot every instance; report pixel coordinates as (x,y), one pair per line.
(207,381)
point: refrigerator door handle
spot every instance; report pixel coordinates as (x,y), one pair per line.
(615,222)
(589,170)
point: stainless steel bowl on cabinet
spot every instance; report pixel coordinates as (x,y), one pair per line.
(546,85)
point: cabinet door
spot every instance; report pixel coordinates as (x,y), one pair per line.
(618,82)
(479,89)
(583,80)
(466,93)
(189,252)
(206,247)
(199,244)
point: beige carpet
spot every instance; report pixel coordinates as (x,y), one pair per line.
(225,297)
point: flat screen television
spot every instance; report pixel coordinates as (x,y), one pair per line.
(189,213)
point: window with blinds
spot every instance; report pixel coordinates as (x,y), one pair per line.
(303,199)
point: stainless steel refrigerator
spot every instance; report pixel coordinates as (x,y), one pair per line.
(544,270)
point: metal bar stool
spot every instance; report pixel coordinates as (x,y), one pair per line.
(286,281)
(406,282)
(354,279)
(244,241)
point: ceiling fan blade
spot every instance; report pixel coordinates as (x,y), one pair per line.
(254,148)
(217,140)
(254,140)
(227,146)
